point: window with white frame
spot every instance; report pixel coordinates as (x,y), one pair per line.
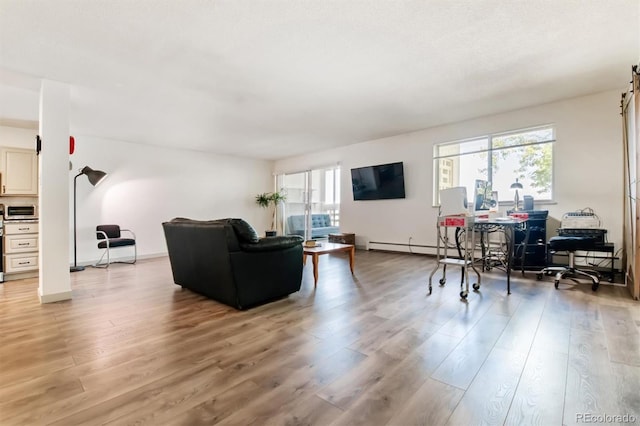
(500,158)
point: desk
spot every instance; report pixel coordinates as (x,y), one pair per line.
(509,226)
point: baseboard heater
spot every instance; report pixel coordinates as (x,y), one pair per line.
(403,247)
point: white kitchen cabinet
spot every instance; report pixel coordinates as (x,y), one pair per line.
(20,243)
(23,262)
(20,246)
(19,168)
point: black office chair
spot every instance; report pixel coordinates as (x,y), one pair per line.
(110,237)
(571,244)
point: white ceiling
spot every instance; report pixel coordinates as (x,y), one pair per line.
(271,79)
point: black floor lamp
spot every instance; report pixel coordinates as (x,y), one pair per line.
(95,177)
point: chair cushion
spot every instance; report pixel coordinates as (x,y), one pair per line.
(244,231)
(320,220)
(112,231)
(324,231)
(117,242)
(230,232)
(296,223)
(563,243)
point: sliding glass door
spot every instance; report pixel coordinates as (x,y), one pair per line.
(296,213)
(331,194)
(312,208)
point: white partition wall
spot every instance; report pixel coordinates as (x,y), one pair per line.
(55,281)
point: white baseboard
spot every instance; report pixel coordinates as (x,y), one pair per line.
(124,258)
(402,248)
(55,297)
(20,275)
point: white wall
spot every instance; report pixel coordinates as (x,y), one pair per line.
(148,185)
(54,277)
(18,138)
(587,169)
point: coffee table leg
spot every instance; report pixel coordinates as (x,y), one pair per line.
(352,253)
(315,269)
(304,259)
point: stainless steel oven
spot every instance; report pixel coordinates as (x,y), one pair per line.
(20,212)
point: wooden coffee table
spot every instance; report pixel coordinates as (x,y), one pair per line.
(325,248)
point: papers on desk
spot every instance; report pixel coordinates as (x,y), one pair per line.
(502,221)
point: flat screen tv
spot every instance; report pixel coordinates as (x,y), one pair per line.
(381,182)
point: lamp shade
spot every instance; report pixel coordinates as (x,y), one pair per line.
(516,185)
(94,176)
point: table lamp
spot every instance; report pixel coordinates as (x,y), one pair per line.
(516,185)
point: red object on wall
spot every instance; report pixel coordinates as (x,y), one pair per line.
(72,145)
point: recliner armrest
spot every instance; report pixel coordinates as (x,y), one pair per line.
(273,243)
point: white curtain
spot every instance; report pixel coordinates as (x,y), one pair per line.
(631,139)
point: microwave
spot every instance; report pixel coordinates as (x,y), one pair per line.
(20,212)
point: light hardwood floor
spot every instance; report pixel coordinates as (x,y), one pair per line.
(372,349)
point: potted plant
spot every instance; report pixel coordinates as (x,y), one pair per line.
(271,199)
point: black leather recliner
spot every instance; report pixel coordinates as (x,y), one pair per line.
(225,260)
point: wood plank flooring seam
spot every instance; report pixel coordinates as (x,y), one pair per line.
(523,369)
(564,399)
(447,384)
